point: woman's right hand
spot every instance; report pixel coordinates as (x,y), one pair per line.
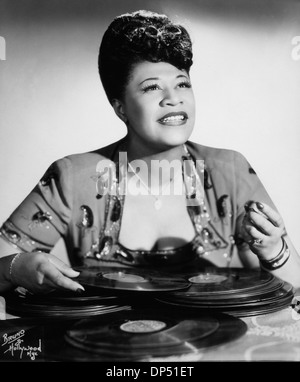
(42,273)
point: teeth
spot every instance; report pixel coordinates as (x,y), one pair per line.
(174,118)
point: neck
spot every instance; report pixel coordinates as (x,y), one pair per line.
(151,152)
(156,166)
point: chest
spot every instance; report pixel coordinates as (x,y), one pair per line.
(144,226)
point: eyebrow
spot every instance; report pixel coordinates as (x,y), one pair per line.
(157,78)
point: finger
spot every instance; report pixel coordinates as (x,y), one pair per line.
(63,267)
(53,275)
(254,233)
(262,224)
(244,232)
(252,207)
(272,215)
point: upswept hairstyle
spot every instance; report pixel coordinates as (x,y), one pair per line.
(136,37)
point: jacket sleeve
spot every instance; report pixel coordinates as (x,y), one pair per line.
(43,217)
(248,187)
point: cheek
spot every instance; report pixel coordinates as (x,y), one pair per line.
(137,112)
(191,102)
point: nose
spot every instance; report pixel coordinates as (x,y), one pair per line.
(171,97)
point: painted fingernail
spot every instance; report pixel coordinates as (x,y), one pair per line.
(260,205)
(79,290)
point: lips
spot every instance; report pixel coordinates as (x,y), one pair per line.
(174,119)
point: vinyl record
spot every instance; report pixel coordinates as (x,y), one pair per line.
(128,279)
(140,334)
(226,281)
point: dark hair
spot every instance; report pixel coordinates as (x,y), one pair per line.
(136,37)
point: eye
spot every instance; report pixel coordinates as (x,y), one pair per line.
(150,87)
(185,84)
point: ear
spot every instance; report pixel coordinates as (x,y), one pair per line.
(119,110)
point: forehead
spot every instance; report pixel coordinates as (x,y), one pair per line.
(160,70)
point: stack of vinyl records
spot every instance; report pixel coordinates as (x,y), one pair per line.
(62,304)
(236,291)
(106,291)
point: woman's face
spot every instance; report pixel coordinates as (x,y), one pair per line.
(159,105)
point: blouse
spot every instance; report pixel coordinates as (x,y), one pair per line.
(68,202)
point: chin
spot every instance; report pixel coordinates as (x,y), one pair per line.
(176,139)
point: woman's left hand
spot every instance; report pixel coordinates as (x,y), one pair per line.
(262,229)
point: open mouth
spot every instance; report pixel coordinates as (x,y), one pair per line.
(174,119)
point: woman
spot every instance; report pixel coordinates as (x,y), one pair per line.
(111,205)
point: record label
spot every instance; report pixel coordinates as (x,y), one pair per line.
(124,277)
(207,278)
(143,326)
(227,280)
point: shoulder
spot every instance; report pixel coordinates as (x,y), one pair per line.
(217,157)
(85,162)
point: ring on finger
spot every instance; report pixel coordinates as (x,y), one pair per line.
(256,241)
